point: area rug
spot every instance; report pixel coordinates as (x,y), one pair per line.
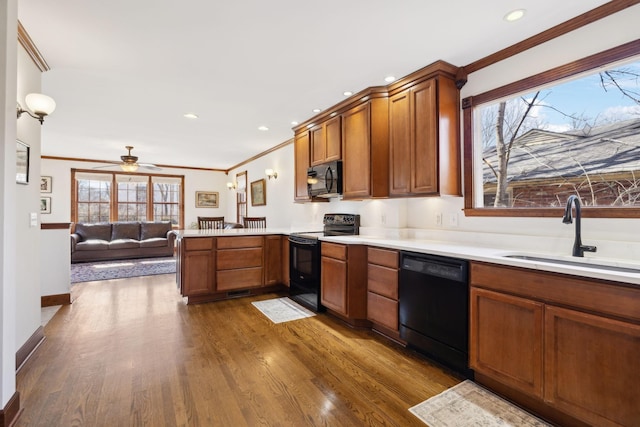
(281,310)
(467,404)
(107,270)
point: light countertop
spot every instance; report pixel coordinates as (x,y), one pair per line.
(588,266)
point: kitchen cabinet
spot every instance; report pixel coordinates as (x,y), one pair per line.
(197,266)
(587,331)
(239,262)
(273,266)
(365,145)
(326,141)
(301,165)
(343,281)
(382,290)
(214,268)
(503,327)
(423,136)
(413,140)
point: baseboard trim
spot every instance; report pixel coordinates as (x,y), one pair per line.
(9,414)
(29,347)
(51,300)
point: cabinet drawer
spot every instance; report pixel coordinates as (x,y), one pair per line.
(382,310)
(383,281)
(333,250)
(239,242)
(383,257)
(239,279)
(198,244)
(239,258)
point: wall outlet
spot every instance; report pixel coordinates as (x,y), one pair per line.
(439,219)
(383,219)
(453,219)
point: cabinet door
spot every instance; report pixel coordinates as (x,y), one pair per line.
(318,144)
(273,260)
(198,270)
(591,367)
(356,155)
(506,338)
(333,139)
(400,143)
(424,154)
(413,140)
(301,160)
(334,284)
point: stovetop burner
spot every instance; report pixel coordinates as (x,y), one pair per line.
(334,225)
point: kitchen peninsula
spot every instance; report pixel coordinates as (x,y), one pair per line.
(219,264)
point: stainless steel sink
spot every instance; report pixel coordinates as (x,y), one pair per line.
(581,264)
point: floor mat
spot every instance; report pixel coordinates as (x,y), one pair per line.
(468,404)
(280,310)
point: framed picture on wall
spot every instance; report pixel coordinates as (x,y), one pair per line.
(258,193)
(45,184)
(207,199)
(45,205)
(22,163)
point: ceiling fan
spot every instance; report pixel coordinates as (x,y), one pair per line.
(130,163)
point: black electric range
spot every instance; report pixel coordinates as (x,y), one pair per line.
(304,258)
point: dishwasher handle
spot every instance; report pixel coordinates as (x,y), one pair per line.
(436,266)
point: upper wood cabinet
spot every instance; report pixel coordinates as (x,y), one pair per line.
(326,141)
(423,139)
(301,164)
(365,150)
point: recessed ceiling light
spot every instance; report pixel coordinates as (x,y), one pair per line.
(263,128)
(190,115)
(316,110)
(389,79)
(347,93)
(514,15)
(294,123)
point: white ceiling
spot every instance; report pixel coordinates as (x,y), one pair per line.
(123,72)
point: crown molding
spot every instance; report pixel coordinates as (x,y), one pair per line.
(25,40)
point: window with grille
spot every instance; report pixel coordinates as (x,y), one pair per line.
(138,197)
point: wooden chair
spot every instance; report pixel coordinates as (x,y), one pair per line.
(210,222)
(255,222)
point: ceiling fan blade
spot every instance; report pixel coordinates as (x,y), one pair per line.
(106,166)
(149,166)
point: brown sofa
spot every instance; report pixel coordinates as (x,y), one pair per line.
(121,240)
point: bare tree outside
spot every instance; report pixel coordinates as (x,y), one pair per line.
(522,128)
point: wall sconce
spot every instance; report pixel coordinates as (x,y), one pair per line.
(231,185)
(271,173)
(41,106)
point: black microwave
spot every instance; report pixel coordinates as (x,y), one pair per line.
(325,180)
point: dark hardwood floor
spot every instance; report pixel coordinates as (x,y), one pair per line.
(129,352)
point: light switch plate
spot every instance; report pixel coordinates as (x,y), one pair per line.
(33,219)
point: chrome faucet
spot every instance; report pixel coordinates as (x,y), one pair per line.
(578,248)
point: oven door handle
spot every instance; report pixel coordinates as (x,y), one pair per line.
(303,241)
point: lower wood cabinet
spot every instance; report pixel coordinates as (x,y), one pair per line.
(197,266)
(343,280)
(240,262)
(570,343)
(506,339)
(592,370)
(212,268)
(382,288)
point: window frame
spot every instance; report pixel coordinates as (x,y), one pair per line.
(113,202)
(590,63)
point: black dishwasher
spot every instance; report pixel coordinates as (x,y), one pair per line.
(434,308)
